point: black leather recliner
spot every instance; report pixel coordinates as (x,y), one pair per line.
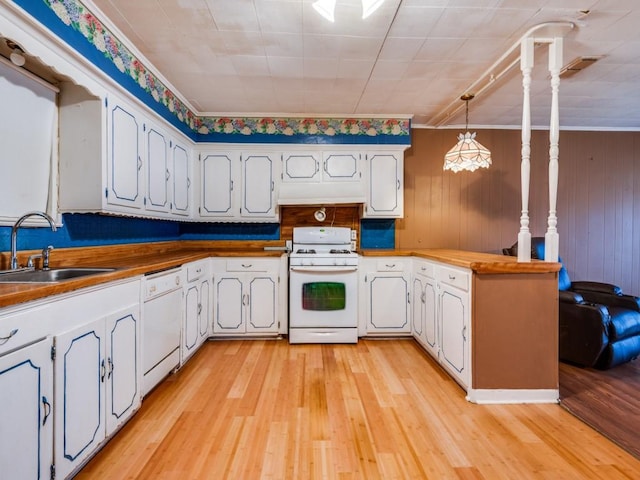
(599,325)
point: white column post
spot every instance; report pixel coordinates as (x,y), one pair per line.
(551,237)
(526,65)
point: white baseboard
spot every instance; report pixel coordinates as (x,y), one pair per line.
(488,396)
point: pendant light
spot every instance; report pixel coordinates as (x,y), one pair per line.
(467,154)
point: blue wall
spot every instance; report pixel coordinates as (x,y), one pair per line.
(82,230)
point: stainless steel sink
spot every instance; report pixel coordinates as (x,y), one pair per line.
(52,275)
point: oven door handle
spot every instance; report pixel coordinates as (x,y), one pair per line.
(336,269)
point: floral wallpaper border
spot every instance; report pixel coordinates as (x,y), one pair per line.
(76,16)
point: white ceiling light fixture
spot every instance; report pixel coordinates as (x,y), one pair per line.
(326,8)
(370,6)
(467,154)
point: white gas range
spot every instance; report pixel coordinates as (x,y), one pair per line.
(323,286)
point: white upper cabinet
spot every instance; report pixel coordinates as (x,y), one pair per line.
(181,179)
(319,177)
(157,161)
(385,185)
(341,167)
(314,167)
(258,186)
(115,159)
(124,156)
(301,167)
(218,189)
(238,186)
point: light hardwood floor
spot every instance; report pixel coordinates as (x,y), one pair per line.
(381,409)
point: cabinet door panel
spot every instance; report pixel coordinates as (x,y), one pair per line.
(385,185)
(157,171)
(192,308)
(262,314)
(257,186)
(124,158)
(181,182)
(388,303)
(417,309)
(453,327)
(341,167)
(203,318)
(80,370)
(300,167)
(26,431)
(123,367)
(218,189)
(430,296)
(230,301)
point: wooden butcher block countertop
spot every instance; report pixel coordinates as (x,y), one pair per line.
(130,260)
(479,263)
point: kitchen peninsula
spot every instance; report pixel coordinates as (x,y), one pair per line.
(493,321)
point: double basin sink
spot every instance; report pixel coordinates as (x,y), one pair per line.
(52,275)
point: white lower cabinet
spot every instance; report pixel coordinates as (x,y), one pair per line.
(97,385)
(386,287)
(247,296)
(197,300)
(424,317)
(69,377)
(454,325)
(26,396)
(441,315)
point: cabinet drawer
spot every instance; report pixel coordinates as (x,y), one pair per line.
(195,271)
(22,328)
(249,264)
(392,265)
(426,269)
(455,278)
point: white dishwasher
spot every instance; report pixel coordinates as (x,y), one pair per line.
(161,325)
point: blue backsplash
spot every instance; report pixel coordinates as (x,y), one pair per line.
(82,230)
(379,233)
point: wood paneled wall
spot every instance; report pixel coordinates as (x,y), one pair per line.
(598,199)
(344,215)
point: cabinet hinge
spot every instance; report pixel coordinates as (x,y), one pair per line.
(106,102)
(106,193)
(52,472)
(53,352)
(144,201)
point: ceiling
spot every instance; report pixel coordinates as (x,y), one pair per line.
(410,57)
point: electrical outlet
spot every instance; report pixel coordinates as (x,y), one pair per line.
(354,235)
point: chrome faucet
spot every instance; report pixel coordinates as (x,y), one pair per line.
(14,233)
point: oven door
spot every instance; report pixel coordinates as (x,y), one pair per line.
(321,297)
